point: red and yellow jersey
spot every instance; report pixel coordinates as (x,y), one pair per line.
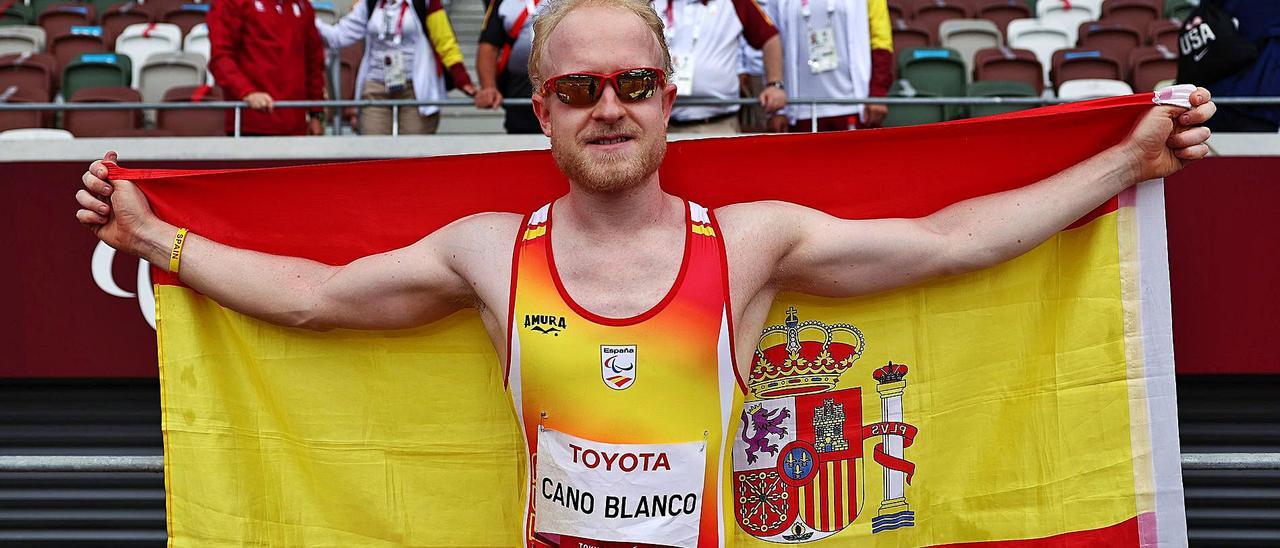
(632,395)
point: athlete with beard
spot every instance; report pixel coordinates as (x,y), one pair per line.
(662,327)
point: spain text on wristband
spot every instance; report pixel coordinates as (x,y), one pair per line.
(175,256)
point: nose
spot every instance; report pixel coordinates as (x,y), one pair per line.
(608,108)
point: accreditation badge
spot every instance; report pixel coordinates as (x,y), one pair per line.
(683,66)
(635,492)
(393,74)
(822,50)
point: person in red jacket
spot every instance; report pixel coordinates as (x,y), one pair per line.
(263,51)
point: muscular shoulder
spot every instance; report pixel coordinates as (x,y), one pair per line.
(757,235)
(479,248)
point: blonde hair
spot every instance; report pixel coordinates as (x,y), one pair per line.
(553,11)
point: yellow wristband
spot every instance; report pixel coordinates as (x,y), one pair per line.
(175,256)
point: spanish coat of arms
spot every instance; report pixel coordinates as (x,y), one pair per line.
(798,457)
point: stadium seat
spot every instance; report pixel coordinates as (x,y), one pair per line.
(191,123)
(1150,66)
(911,115)
(326,11)
(96,70)
(162,71)
(1017,65)
(1164,32)
(934,70)
(967,36)
(186,16)
(908,35)
(29,71)
(36,134)
(160,7)
(15,119)
(1042,39)
(120,16)
(1086,89)
(59,18)
(102,123)
(1001,12)
(931,14)
(17,13)
(1113,39)
(999,88)
(1077,64)
(102,6)
(197,41)
(68,47)
(1134,13)
(1178,9)
(896,13)
(1067,14)
(22,39)
(140,41)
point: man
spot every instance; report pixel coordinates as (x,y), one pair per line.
(502,61)
(620,269)
(263,51)
(703,37)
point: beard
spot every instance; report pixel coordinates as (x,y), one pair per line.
(609,171)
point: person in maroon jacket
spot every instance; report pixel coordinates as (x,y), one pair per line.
(263,51)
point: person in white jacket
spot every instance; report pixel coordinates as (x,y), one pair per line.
(407,44)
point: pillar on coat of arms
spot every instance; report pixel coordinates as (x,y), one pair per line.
(894,511)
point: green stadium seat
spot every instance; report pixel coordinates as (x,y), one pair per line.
(101,6)
(999,88)
(1178,9)
(96,70)
(938,71)
(912,115)
(17,14)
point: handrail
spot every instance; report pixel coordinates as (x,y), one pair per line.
(155,464)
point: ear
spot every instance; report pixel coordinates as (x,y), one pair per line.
(668,100)
(542,110)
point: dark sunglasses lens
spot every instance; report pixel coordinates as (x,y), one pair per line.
(637,85)
(577,89)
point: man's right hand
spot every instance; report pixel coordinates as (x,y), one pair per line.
(260,100)
(118,213)
(489,98)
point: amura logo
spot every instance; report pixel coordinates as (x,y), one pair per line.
(544,323)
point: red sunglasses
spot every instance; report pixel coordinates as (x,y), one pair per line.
(584,88)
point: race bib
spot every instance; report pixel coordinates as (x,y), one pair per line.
(393,73)
(643,493)
(822,50)
(683,66)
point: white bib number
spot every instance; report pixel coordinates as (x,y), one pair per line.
(822,50)
(683,66)
(644,493)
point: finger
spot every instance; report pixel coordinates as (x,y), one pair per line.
(1198,115)
(89,218)
(271,104)
(1192,136)
(95,185)
(1192,153)
(89,202)
(110,156)
(1200,96)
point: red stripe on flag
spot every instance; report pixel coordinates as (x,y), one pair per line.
(824,508)
(368,207)
(838,500)
(1124,533)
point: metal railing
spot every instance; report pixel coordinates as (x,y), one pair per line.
(153,464)
(397,104)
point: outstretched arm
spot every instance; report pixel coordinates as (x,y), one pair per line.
(403,288)
(822,255)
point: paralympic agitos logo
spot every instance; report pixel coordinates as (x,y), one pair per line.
(100,265)
(544,323)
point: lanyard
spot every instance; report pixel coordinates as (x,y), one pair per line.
(804,9)
(689,5)
(386,16)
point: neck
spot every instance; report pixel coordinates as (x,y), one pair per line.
(623,212)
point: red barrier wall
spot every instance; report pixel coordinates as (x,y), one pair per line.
(1223,223)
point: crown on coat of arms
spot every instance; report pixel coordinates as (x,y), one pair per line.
(803,357)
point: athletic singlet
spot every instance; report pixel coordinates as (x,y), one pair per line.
(625,420)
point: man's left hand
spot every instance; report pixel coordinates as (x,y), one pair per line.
(315,126)
(468,89)
(873,114)
(773,99)
(1169,137)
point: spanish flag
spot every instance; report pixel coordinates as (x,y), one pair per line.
(1029,404)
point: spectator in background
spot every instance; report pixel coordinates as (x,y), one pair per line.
(502,61)
(835,49)
(704,36)
(751,80)
(263,51)
(1259,23)
(406,44)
